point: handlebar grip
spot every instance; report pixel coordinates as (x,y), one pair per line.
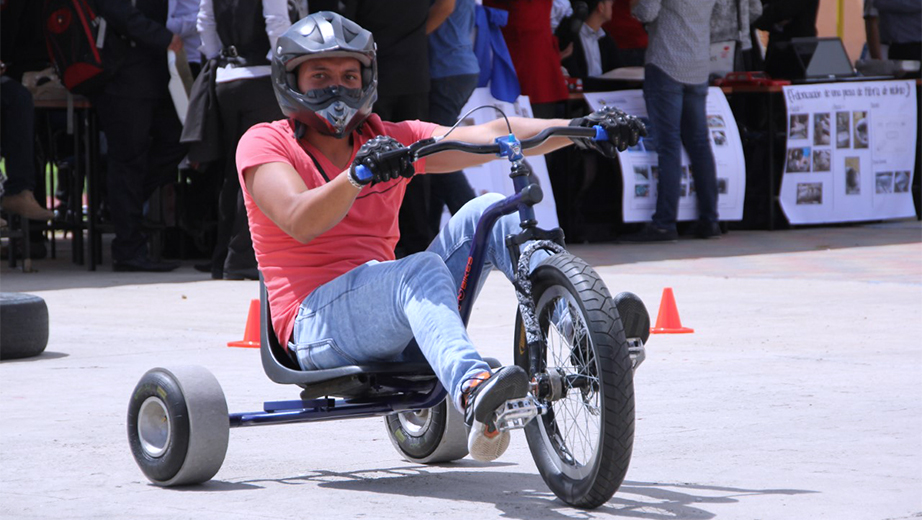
(600,133)
(363,173)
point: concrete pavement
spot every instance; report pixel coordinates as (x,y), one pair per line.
(798,395)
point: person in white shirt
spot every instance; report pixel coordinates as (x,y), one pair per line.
(181,20)
(240,36)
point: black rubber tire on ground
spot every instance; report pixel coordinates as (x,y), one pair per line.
(581,477)
(25,325)
(178,425)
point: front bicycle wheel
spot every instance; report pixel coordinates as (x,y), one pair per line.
(582,445)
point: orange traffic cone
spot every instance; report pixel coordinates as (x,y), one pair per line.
(667,321)
(251,333)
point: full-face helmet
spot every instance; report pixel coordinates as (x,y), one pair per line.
(334,110)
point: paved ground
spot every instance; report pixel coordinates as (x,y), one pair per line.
(798,395)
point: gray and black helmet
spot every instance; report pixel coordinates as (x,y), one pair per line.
(335,111)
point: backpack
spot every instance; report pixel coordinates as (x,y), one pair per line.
(85,53)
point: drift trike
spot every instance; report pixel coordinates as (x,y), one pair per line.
(578,345)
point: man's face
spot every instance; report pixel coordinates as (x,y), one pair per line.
(605,9)
(329,72)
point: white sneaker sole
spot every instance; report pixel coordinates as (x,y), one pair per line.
(483,448)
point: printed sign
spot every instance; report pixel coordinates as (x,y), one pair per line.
(850,154)
(640,164)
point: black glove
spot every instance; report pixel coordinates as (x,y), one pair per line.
(385,157)
(623,131)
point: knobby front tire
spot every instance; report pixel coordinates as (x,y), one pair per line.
(582,446)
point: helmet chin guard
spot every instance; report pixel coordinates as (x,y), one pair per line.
(336,110)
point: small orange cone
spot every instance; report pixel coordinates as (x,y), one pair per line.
(667,321)
(251,333)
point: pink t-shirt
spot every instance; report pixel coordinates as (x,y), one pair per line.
(369,231)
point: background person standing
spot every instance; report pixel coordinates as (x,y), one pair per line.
(140,124)
(675,90)
(453,70)
(240,35)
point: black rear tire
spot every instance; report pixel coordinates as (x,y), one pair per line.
(178,425)
(25,325)
(582,446)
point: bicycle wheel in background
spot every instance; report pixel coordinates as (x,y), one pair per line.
(582,445)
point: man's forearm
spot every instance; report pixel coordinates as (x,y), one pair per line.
(301,213)
(438,13)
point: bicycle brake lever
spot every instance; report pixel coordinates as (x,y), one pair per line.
(415,147)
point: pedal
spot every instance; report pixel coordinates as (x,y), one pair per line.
(636,349)
(516,413)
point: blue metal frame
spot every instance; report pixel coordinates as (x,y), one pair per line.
(510,147)
(314,410)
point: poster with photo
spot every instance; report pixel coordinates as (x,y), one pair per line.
(494,175)
(641,169)
(850,151)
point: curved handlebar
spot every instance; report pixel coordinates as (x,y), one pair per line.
(597,133)
(427,147)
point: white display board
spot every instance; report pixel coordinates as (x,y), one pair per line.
(640,164)
(494,175)
(850,153)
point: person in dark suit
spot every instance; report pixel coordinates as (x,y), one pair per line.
(239,36)
(140,124)
(594,52)
(399,27)
(786,19)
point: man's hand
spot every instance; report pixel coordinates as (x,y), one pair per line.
(383,166)
(623,131)
(175,44)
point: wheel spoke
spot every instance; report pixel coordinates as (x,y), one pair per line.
(569,351)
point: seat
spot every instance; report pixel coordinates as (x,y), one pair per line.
(353,381)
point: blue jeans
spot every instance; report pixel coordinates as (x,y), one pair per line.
(371,313)
(678,116)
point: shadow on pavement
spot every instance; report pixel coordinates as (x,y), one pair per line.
(525,495)
(41,357)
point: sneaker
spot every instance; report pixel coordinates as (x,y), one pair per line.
(24,204)
(484,395)
(651,233)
